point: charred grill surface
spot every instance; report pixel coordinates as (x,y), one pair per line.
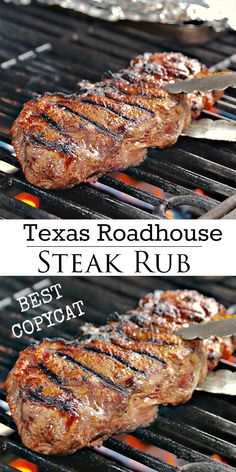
(63,140)
(67,395)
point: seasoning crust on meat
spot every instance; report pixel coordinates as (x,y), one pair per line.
(63,140)
(65,395)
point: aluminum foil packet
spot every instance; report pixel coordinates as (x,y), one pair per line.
(219,13)
(221,381)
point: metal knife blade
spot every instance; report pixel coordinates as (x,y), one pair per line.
(203,84)
(222,328)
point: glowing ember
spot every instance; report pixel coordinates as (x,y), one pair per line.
(155,451)
(149,188)
(24,466)
(199,191)
(218,458)
(29,199)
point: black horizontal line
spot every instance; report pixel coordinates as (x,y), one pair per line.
(111,246)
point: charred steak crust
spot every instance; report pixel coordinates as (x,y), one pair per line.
(63,140)
(67,395)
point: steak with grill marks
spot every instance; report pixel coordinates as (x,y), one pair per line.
(65,395)
(63,140)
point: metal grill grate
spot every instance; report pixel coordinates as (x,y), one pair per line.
(187,435)
(44,49)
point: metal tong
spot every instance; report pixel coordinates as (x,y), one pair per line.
(203,84)
(223,129)
(221,328)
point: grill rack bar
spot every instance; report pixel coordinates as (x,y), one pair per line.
(7,468)
(136,454)
(225,210)
(160,205)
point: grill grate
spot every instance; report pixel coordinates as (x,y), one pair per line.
(189,433)
(37,54)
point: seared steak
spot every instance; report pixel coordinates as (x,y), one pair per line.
(165,312)
(66,395)
(63,140)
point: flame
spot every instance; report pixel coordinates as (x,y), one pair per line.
(199,191)
(170,215)
(31,200)
(127,179)
(24,466)
(218,458)
(146,187)
(160,453)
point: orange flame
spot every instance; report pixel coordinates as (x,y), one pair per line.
(145,186)
(31,200)
(168,457)
(24,466)
(218,458)
(199,191)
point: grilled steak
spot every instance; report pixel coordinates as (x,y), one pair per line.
(63,140)
(66,395)
(165,312)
